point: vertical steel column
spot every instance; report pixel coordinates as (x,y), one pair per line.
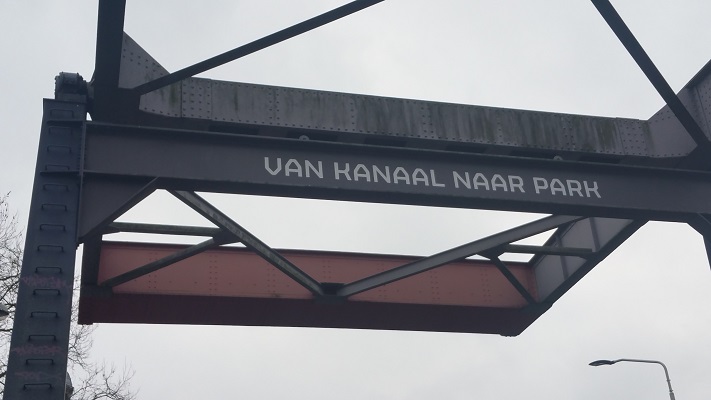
(37,365)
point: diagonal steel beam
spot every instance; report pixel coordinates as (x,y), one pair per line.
(256,45)
(457,253)
(623,33)
(702,224)
(166,261)
(512,279)
(215,216)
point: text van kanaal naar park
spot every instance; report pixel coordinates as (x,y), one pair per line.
(427,177)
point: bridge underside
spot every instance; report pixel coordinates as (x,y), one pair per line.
(234,286)
(212,282)
(599,178)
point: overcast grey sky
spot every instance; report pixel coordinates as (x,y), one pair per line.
(650,299)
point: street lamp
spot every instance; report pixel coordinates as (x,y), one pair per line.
(610,362)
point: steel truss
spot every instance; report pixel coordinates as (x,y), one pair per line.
(90,173)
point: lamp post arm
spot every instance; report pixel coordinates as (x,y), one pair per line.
(666,372)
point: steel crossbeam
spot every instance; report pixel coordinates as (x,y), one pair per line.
(208,161)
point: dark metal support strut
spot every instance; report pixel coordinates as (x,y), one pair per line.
(218,218)
(457,253)
(615,22)
(512,279)
(165,261)
(109,42)
(256,45)
(109,38)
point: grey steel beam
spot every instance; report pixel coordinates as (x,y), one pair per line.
(412,123)
(547,250)
(256,45)
(457,253)
(203,161)
(166,261)
(615,22)
(223,221)
(274,111)
(109,37)
(162,229)
(108,64)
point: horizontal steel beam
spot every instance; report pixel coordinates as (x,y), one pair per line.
(163,229)
(549,250)
(203,161)
(243,289)
(286,111)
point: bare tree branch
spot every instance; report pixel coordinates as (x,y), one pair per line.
(106,383)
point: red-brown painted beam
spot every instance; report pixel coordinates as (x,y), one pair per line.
(233,286)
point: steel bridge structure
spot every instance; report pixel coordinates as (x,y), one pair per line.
(598,179)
